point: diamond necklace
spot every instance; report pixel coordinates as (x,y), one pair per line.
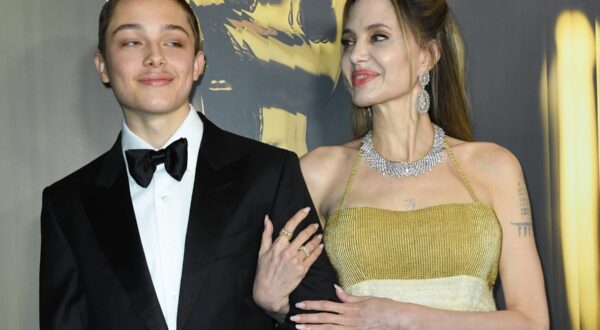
(402,169)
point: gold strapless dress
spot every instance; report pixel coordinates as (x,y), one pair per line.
(444,256)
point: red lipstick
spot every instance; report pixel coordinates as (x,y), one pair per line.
(361,77)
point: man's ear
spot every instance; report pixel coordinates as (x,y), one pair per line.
(199,64)
(100,63)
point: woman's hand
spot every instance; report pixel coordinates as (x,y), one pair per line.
(282,264)
(353,313)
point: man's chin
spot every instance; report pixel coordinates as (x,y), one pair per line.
(153,109)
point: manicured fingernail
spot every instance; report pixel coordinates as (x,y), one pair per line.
(338,288)
(321,246)
(300,305)
(301,326)
(266,219)
(295,318)
(316,225)
(306,209)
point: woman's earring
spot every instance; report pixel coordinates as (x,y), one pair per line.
(423,97)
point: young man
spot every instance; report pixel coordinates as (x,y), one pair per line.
(163,231)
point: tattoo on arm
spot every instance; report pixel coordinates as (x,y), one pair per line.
(525,228)
(409,204)
(524,200)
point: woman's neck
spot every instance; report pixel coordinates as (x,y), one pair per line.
(400,133)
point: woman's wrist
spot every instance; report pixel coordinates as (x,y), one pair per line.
(269,303)
(279,313)
(406,316)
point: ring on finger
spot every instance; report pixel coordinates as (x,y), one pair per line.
(304,250)
(286,233)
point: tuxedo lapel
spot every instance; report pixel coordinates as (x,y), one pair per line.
(216,188)
(113,219)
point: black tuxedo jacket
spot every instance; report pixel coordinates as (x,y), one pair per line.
(93,272)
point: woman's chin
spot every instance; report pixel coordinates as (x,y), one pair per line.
(363,104)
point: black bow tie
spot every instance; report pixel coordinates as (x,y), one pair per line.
(142,162)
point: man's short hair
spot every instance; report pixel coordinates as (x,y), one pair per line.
(108,11)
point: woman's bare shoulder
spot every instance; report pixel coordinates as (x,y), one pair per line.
(486,160)
(325,159)
(326,168)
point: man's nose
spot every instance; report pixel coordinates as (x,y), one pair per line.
(155,56)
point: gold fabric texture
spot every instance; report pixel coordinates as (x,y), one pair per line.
(447,240)
(443,241)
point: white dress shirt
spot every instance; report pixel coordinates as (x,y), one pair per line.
(162,211)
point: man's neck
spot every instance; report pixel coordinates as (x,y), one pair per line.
(155,129)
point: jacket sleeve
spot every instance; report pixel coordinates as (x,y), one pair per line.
(62,301)
(292,195)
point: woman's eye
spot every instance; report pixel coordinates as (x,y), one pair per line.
(347,42)
(378,37)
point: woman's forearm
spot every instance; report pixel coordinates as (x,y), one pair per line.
(430,318)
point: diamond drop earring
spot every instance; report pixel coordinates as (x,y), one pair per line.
(423,97)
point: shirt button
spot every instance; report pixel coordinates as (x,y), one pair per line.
(165,198)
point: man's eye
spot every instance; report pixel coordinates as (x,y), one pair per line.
(131,43)
(174,44)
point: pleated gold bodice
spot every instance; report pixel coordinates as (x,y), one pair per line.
(440,251)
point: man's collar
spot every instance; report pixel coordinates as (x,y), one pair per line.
(191,128)
(217,147)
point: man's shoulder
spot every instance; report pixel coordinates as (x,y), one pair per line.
(84,175)
(255,149)
(227,146)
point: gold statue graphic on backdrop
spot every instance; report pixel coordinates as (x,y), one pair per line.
(289,50)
